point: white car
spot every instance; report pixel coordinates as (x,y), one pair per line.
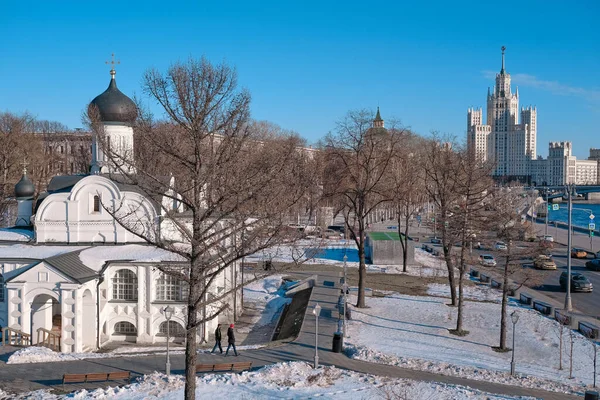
(487,260)
(548,238)
(500,246)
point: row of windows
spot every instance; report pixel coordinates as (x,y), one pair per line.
(61,149)
(168,288)
(174,328)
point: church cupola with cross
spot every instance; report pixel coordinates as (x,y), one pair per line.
(378,121)
(24,191)
(112,115)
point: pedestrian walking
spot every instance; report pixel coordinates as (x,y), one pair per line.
(217,339)
(230,340)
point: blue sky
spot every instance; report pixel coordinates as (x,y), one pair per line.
(307,63)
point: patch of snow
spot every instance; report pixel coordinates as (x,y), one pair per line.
(478,292)
(35,252)
(285,380)
(16,235)
(95,257)
(412,332)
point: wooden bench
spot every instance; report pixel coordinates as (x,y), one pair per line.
(97,377)
(224,367)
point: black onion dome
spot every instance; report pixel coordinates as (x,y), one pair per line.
(113,105)
(24,189)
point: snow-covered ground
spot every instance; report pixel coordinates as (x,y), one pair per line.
(295,380)
(412,332)
(267,297)
(477,292)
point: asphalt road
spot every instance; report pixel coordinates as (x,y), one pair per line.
(584,303)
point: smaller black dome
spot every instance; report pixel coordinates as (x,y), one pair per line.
(24,189)
(113,105)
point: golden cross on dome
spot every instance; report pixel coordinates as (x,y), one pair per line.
(112,63)
(24,164)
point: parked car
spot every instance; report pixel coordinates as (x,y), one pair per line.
(331,234)
(548,238)
(436,240)
(427,248)
(544,262)
(487,260)
(594,265)
(500,246)
(579,283)
(337,228)
(578,253)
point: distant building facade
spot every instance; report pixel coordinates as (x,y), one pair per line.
(562,167)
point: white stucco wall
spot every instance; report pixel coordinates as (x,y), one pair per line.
(70,217)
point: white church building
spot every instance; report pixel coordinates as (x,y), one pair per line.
(71,275)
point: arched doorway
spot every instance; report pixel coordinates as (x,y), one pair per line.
(88,321)
(45,313)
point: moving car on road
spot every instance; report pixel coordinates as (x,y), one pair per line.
(544,262)
(548,238)
(578,253)
(500,246)
(594,265)
(487,260)
(436,240)
(579,283)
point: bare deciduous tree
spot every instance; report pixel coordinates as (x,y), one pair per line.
(357,163)
(440,166)
(236,182)
(407,187)
(473,186)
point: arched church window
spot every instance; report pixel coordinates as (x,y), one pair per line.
(1,288)
(169,288)
(175,329)
(125,328)
(96,203)
(125,285)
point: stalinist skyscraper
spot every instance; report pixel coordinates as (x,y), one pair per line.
(504,140)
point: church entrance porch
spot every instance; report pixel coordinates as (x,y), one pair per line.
(45,321)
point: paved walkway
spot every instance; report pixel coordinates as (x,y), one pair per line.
(27,377)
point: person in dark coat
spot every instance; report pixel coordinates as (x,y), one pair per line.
(230,340)
(217,339)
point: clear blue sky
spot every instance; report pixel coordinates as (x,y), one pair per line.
(307,63)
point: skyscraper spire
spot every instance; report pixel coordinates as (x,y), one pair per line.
(502,70)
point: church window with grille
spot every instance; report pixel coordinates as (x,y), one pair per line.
(125,328)
(169,288)
(175,329)
(96,203)
(125,285)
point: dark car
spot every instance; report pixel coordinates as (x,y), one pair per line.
(594,265)
(337,228)
(579,283)
(436,240)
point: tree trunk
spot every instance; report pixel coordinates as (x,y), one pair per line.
(362,273)
(190,345)
(503,318)
(405,245)
(459,318)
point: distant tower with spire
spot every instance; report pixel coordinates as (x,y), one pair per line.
(510,144)
(378,121)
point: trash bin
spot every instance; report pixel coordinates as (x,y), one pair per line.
(337,342)
(589,395)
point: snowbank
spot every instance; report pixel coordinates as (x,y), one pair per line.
(285,380)
(477,292)
(412,332)
(267,297)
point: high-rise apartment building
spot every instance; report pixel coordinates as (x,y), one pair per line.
(508,138)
